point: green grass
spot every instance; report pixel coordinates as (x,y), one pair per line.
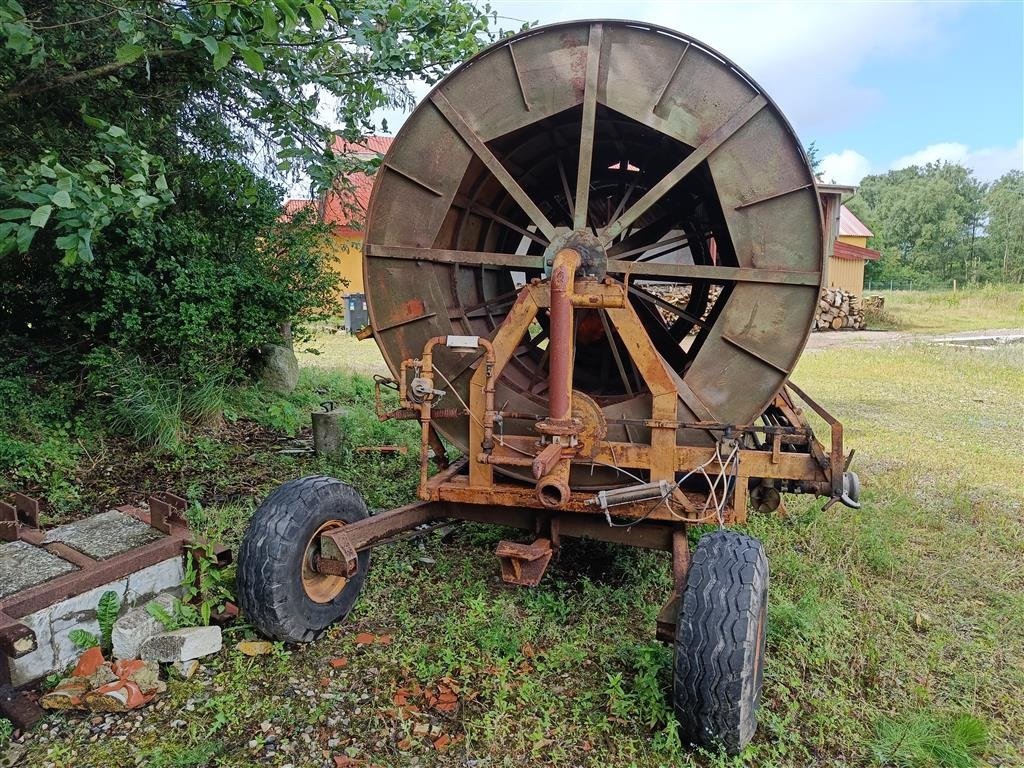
(969,309)
(895,635)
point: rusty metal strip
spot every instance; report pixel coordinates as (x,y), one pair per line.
(721,134)
(447,256)
(475,143)
(410,177)
(519,76)
(774,196)
(756,355)
(582,207)
(405,321)
(713,273)
(463,202)
(668,82)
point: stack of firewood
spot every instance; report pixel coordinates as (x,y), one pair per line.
(837,310)
(679,296)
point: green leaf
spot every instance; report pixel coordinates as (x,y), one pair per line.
(316,16)
(269,22)
(82,639)
(126,54)
(116,131)
(210,43)
(62,199)
(12,214)
(147,200)
(67,242)
(223,55)
(25,234)
(161,183)
(252,59)
(31,197)
(40,216)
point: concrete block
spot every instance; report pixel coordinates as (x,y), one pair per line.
(182,644)
(138,625)
(151,581)
(104,535)
(39,663)
(23,566)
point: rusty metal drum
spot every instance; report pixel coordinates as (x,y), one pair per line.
(659,154)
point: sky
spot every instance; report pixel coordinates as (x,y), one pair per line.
(876,85)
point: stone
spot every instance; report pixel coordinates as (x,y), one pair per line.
(104,535)
(182,644)
(138,625)
(23,566)
(278,368)
(185,669)
(255,647)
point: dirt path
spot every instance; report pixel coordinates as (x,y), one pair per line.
(864,339)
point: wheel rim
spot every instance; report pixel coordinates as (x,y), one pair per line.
(320,587)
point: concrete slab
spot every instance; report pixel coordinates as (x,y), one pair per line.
(104,535)
(23,566)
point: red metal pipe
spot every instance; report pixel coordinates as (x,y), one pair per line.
(563,274)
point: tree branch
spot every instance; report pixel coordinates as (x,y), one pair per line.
(26,89)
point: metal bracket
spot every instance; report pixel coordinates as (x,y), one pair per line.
(524,564)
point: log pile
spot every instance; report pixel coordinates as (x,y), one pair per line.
(838,310)
(679,296)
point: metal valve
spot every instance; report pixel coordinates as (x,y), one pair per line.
(422,389)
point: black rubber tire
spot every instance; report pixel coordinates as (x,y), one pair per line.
(719,653)
(270,590)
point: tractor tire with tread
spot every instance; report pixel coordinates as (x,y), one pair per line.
(270,561)
(720,637)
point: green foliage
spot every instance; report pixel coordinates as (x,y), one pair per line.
(1005,203)
(39,436)
(928,740)
(107,610)
(6,731)
(206,588)
(149,405)
(83,639)
(936,223)
(145,150)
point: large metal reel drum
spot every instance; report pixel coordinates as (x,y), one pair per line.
(640,136)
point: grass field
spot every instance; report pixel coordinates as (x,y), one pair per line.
(895,637)
(971,309)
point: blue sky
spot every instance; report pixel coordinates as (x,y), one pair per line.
(877,85)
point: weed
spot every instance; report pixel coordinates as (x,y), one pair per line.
(928,740)
(6,731)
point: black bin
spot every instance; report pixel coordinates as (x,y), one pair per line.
(355,312)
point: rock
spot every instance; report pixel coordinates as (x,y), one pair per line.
(255,647)
(138,625)
(278,368)
(182,644)
(185,669)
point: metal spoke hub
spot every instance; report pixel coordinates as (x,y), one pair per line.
(593,255)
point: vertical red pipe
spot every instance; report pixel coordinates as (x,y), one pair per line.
(563,273)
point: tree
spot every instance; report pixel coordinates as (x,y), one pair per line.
(926,220)
(1005,226)
(142,139)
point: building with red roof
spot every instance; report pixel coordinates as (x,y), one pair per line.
(344,209)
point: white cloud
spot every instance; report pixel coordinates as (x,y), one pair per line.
(846,167)
(806,55)
(988,163)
